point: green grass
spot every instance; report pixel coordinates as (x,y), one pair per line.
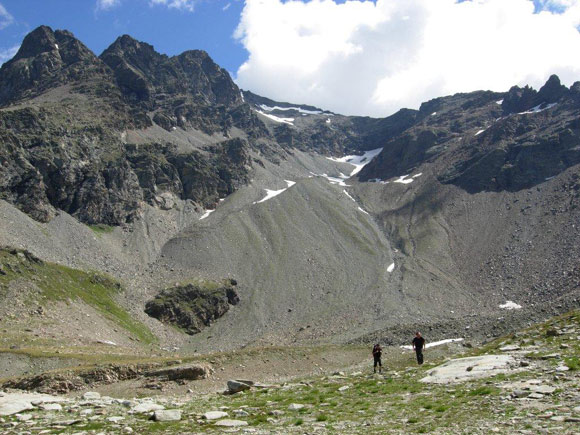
(59,283)
(101,229)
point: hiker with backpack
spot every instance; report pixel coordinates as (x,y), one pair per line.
(418,346)
(377,352)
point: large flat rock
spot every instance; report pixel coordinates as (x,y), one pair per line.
(464,369)
(13,403)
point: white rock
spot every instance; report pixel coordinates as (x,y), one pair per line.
(344,388)
(50,407)
(483,366)
(146,407)
(23,417)
(215,415)
(295,406)
(91,395)
(167,415)
(231,423)
(115,419)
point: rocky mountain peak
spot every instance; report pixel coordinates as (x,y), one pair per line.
(46,59)
(40,40)
(552,91)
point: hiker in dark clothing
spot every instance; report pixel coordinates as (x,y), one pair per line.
(377,351)
(418,345)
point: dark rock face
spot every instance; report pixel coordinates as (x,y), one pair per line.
(193,307)
(480,145)
(47,59)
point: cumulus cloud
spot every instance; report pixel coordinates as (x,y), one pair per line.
(372,58)
(5,18)
(188,5)
(8,53)
(105,5)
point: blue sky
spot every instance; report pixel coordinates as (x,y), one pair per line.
(171,30)
(350,56)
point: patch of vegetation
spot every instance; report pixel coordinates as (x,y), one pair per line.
(101,229)
(59,283)
(193,306)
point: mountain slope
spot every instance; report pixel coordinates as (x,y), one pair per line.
(470,202)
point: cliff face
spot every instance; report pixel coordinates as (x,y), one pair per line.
(66,112)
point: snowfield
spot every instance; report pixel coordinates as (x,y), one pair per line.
(272,193)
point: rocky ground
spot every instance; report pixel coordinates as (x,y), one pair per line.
(527,382)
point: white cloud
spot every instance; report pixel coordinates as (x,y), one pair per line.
(187,5)
(368,58)
(8,53)
(226,7)
(105,5)
(5,17)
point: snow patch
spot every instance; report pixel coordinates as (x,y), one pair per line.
(289,121)
(436,343)
(328,121)
(404,180)
(479,132)
(364,211)
(298,109)
(272,193)
(538,109)
(417,175)
(510,305)
(348,194)
(206,214)
(391,267)
(434,113)
(358,162)
(56,46)
(500,102)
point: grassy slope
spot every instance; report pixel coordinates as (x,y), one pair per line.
(60,283)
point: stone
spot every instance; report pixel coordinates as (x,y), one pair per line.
(576,410)
(91,395)
(235,386)
(520,393)
(510,348)
(542,389)
(276,412)
(551,356)
(558,418)
(483,366)
(191,372)
(536,396)
(572,419)
(231,423)
(241,413)
(146,407)
(115,419)
(295,406)
(15,407)
(215,415)
(23,417)
(344,388)
(50,407)
(167,415)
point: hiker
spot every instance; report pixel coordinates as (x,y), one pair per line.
(418,345)
(377,351)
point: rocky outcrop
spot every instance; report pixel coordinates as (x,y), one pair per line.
(48,59)
(481,143)
(192,307)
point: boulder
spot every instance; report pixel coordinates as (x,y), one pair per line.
(231,423)
(190,372)
(167,415)
(215,415)
(235,386)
